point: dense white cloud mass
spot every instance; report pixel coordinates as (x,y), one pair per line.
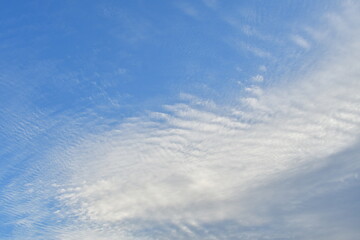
(176,174)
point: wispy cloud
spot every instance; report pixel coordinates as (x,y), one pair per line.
(249,30)
(211,3)
(300,41)
(197,166)
(262,68)
(257,78)
(256,51)
(193,164)
(188,9)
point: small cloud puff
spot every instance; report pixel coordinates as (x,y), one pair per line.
(254,90)
(257,78)
(300,41)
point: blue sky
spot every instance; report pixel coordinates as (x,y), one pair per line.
(200,119)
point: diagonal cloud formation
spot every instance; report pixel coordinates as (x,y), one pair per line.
(202,170)
(199,163)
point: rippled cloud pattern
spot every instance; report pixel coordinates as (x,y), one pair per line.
(203,119)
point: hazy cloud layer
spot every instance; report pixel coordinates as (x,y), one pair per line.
(201,170)
(277,161)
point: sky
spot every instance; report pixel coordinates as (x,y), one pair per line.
(179,119)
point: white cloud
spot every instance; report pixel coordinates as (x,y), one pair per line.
(200,163)
(254,90)
(250,31)
(316,34)
(257,78)
(300,41)
(263,68)
(252,49)
(195,165)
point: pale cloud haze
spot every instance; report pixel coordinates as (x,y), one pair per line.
(268,152)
